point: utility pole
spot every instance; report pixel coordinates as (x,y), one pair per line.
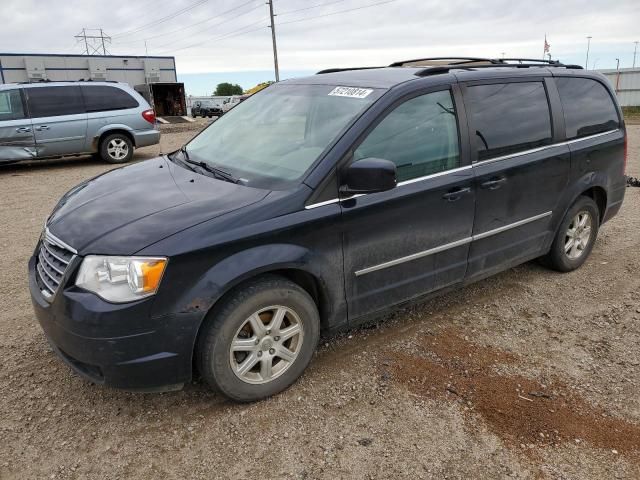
(635,50)
(273,39)
(586,63)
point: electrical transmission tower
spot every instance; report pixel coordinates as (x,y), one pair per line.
(94,43)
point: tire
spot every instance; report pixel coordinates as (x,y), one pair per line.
(246,317)
(116,148)
(194,115)
(584,211)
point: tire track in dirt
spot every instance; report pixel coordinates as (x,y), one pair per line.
(520,410)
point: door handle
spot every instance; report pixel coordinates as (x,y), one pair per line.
(42,127)
(455,194)
(494,183)
(23,129)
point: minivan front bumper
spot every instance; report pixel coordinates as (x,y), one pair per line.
(114,344)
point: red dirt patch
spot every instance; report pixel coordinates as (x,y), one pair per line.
(518,409)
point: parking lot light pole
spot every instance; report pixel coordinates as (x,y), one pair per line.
(273,39)
(586,63)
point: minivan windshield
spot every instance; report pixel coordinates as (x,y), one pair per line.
(271,140)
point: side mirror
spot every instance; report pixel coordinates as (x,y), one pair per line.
(368,175)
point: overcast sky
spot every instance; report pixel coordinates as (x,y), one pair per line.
(216,36)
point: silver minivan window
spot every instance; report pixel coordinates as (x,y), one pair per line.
(11,107)
(273,138)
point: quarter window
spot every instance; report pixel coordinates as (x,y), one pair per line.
(100,98)
(11,105)
(509,117)
(420,137)
(588,107)
(54,101)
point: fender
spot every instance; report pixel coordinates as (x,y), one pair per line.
(571,193)
(220,278)
(107,127)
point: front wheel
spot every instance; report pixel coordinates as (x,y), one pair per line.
(259,340)
(575,237)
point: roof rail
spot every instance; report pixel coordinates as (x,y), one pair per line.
(445,64)
(48,80)
(458,60)
(446,68)
(540,60)
(334,70)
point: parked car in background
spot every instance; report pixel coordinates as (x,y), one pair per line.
(317,204)
(206,108)
(54,119)
(232,102)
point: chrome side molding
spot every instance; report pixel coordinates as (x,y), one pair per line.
(447,246)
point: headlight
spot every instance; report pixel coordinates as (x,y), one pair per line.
(121,279)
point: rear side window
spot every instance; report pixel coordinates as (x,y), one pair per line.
(101,98)
(54,101)
(588,107)
(420,137)
(509,117)
(11,105)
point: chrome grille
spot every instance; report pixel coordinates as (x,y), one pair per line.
(51,264)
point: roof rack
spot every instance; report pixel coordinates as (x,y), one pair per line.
(446,68)
(442,60)
(48,80)
(445,64)
(334,70)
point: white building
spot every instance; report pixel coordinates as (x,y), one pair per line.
(626,83)
(134,70)
(154,77)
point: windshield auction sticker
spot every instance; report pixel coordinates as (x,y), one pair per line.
(351,92)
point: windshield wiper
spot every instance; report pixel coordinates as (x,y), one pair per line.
(217,172)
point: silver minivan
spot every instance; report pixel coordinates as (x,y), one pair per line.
(53,119)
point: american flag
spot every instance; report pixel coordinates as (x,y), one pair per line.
(546,45)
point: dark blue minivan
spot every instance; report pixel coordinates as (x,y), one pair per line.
(319,203)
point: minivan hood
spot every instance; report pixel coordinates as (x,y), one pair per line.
(124,210)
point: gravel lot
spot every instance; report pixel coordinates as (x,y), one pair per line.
(529,374)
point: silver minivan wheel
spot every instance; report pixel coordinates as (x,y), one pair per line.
(118,149)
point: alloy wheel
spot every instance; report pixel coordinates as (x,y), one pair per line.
(578,235)
(266,345)
(117,149)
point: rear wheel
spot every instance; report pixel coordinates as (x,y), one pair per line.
(259,340)
(576,236)
(116,148)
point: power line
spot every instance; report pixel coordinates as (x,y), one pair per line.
(212,26)
(337,13)
(288,12)
(215,39)
(171,16)
(170,44)
(180,30)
